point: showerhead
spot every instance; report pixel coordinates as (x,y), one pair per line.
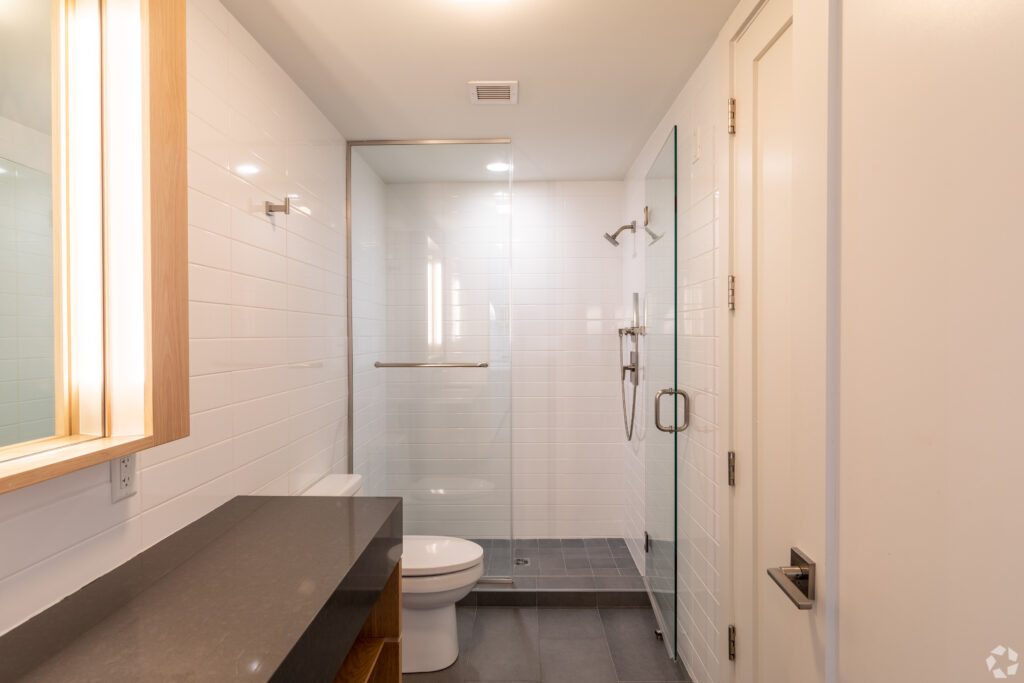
(613,237)
(654,236)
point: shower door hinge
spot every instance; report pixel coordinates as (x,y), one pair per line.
(732,116)
(732,292)
(732,643)
(732,468)
(647,542)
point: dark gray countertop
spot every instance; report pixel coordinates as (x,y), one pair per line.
(262,588)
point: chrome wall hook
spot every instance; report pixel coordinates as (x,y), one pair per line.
(285,208)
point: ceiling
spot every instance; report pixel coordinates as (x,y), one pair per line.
(25,63)
(595,76)
(436,163)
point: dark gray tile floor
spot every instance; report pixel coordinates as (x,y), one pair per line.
(608,645)
(563,563)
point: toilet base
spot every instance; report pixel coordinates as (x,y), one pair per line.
(430,639)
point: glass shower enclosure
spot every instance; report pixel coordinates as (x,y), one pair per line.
(668,416)
(429,304)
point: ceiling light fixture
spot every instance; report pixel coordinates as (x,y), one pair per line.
(247,169)
(498,167)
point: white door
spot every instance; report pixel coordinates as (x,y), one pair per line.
(779,377)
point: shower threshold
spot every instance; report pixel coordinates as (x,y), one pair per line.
(558,572)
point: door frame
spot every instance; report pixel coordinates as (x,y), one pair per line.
(817,26)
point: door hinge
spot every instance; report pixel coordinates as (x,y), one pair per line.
(732,292)
(732,468)
(732,116)
(732,643)
(647,542)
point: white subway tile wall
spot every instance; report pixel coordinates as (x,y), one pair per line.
(267,327)
(26,285)
(699,564)
(634,278)
(567,431)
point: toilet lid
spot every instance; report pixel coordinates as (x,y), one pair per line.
(429,555)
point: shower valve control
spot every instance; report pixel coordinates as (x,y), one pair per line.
(631,369)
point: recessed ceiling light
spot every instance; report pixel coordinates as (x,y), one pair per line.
(498,167)
(3,170)
(247,169)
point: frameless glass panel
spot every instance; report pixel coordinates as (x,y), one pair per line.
(27,383)
(660,374)
(431,337)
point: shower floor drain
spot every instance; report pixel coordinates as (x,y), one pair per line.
(522,561)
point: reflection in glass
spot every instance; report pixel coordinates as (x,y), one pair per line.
(26,224)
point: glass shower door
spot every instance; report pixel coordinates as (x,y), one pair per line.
(431,398)
(663,407)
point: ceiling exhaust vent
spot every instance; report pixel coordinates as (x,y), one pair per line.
(494,92)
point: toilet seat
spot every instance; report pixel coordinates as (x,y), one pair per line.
(424,556)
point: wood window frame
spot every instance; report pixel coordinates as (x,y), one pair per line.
(165,267)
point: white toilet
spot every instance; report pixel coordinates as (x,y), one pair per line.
(437,571)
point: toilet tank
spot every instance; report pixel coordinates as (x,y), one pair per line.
(337,485)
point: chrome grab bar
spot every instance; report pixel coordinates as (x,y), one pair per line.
(378,364)
(686,410)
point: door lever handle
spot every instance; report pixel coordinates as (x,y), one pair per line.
(796,580)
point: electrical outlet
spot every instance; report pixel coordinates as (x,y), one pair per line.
(122,478)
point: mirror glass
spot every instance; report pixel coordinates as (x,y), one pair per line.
(27,407)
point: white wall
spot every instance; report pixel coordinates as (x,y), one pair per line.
(930,465)
(702,504)
(26,285)
(267,326)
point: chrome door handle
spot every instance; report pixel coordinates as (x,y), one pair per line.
(686,410)
(796,580)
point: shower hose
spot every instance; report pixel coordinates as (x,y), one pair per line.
(628,419)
